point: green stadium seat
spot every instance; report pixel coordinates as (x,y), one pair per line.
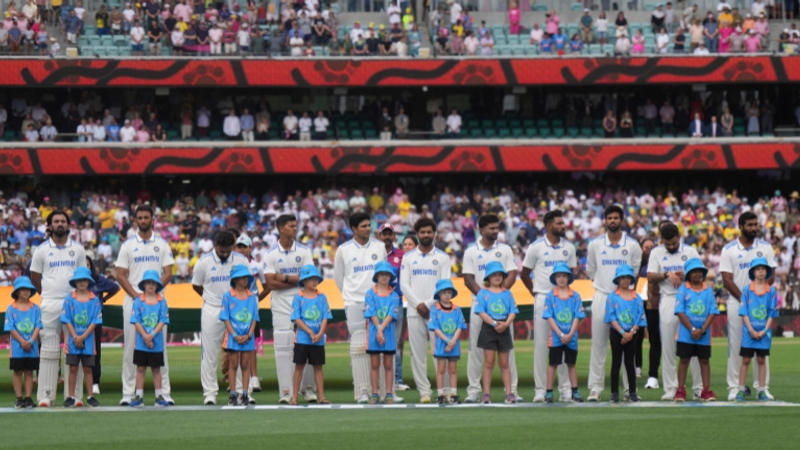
(503,133)
(371,133)
(528,123)
(517,133)
(356,133)
(576,6)
(475,133)
(540,7)
(530,132)
(490,133)
(572,132)
(559,132)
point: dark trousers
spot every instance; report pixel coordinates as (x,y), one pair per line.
(639,340)
(654,331)
(618,352)
(98,336)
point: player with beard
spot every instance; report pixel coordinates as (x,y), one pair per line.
(605,254)
(144,251)
(734,265)
(52,266)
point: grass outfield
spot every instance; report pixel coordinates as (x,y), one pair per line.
(602,427)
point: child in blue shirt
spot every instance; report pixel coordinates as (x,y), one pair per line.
(625,315)
(497,309)
(23,321)
(240,314)
(695,306)
(310,312)
(563,311)
(383,304)
(546,45)
(82,311)
(149,316)
(759,306)
(446,322)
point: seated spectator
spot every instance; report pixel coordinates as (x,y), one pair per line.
(623,46)
(372,43)
(159,135)
(560,41)
(546,46)
(308,50)
(701,49)
(263,123)
(142,135)
(714,130)
(385,124)
(48,132)
(602,28)
(471,44)
(248,124)
(127,133)
(414,40)
(31,135)
(442,42)
(752,43)
(575,44)
(679,41)
(536,35)
(83,132)
(487,44)
(586,27)
(99,131)
(113,130)
(400,48)
(662,41)
(727,122)
(626,125)
(638,43)
(359,46)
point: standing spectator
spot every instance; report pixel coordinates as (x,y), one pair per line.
(262,123)
(101,21)
(395,13)
(662,41)
(487,44)
(128,18)
(626,125)
(657,18)
(696,34)
(514,16)
(621,24)
(638,43)
(186,123)
(536,35)
(472,44)
(669,18)
(73,27)
(767,116)
(679,41)
(753,42)
(215,39)
(385,124)
(736,41)
(99,132)
(714,129)
(113,131)
(116,19)
(177,40)
(83,132)
(711,32)
(667,114)
(231,126)
(247,123)
(137,39)
(586,27)
(454,123)
(610,124)
(727,122)
(601,27)
(154,35)
(48,132)
(321,124)
(203,121)
(31,135)
(401,123)
(127,133)
(290,123)
(439,124)
(304,126)
(552,22)
(623,46)
(696,129)
(244,39)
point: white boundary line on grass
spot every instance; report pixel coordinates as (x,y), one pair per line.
(351,406)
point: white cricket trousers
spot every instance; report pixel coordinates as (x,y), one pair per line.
(541,353)
(283,335)
(418,336)
(359,359)
(50,354)
(212,330)
(668,327)
(475,358)
(735,325)
(128,368)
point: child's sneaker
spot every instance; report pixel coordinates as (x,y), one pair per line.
(707,395)
(92,402)
(136,401)
(548,397)
(20,403)
(487,398)
(233,400)
(389,399)
(740,396)
(634,397)
(614,397)
(440,400)
(69,402)
(680,395)
(576,396)
(29,403)
(763,397)
(454,400)
(374,399)
(160,401)
(511,399)
(244,399)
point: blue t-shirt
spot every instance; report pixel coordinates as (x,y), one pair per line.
(448,322)
(149,315)
(575,46)
(25,321)
(560,41)
(312,311)
(627,313)
(546,45)
(758,308)
(564,311)
(381,306)
(497,305)
(697,305)
(81,315)
(240,312)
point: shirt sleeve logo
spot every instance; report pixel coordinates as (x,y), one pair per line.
(625,252)
(298,259)
(374,256)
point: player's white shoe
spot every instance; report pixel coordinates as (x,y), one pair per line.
(46,403)
(397,398)
(209,400)
(425,399)
(652,383)
(472,398)
(78,403)
(668,396)
(310,396)
(95,389)
(517,398)
(126,400)
(732,394)
(594,396)
(538,397)
(401,387)
(363,399)
(768,394)
(255,384)
(284,400)
(168,399)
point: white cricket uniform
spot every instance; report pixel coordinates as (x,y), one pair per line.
(540,258)
(735,259)
(353,271)
(138,256)
(56,264)
(601,263)
(214,276)
(418,276)
(286,262)
(474,263)
(661,261)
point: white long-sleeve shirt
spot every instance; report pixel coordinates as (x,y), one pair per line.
(419,274)
(215,276)
(662,261)
(354,268)
(231,126)
(286,262)
(604,258)
(542,256)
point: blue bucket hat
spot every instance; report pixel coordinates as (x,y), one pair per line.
(308,271)
(759,262)
(151,275)
(383,267)
(493,268)
(241,271)
(82,273)
(624,270)
(561,267)
(22,282)
(443,285)
(693,264)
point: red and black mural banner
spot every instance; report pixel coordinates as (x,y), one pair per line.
(399,159)
(397,72)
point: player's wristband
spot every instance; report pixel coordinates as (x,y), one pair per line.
(494,323)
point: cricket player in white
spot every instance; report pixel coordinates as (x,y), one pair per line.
(145,251)
(734,265)
(53,263)
(211,280)
(421,269)
(605,254)
(283,263)
(476,256)
(353,270)
(540,258)
(665,268)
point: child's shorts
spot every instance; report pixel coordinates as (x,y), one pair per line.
(309,354)
(24,364)
(747,352)
(148,359)
(563,354)
(447,358)
(381,352)
(685,350)
(490,339)
(85,360)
